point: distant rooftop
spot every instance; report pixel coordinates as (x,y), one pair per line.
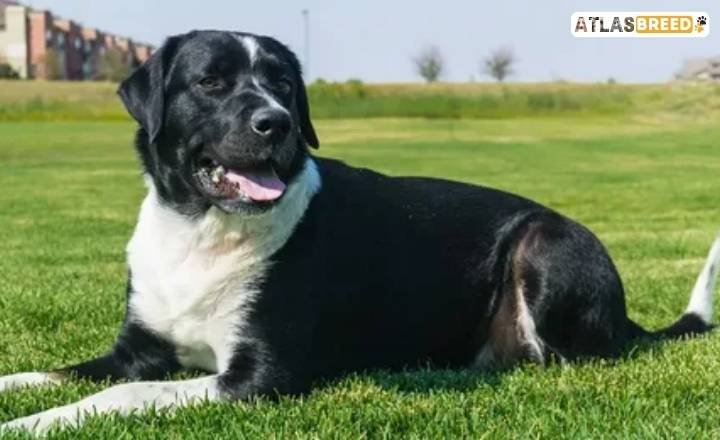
(701,68)
(4,3)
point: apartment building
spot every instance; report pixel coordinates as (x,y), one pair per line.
(37,44)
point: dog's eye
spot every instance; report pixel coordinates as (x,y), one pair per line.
(282,86)
(210,83)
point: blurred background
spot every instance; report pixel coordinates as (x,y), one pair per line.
(372,40)
(362,58)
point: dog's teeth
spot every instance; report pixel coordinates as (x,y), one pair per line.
(217,174)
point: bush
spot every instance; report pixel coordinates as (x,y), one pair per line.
(353,99)
(112,66)
(7,72)
(323,90)
(52,65)
(26,100)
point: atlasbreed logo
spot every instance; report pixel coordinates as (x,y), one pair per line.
(640,24)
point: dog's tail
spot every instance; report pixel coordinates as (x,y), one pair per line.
(697,318)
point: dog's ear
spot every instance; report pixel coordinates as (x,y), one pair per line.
(143,92)
(306,128)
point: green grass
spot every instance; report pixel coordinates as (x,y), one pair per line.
(647,186)
(67,101)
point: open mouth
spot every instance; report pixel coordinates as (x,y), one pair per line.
(251,184)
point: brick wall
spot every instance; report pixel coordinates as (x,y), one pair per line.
(30,38)
(40,35)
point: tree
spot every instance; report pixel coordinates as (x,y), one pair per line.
(429,64)
(499,64)
(111,66)
(52,65)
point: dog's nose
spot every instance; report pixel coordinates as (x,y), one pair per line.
(270,124)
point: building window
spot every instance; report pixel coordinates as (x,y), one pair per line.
(78,43)
(61,40)
(87,69)
(49,35)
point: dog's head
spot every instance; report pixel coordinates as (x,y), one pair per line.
(224,120)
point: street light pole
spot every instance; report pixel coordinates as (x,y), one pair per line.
(306,29)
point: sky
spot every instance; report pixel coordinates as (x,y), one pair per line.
(375,40)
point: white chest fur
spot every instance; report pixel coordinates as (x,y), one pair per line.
(194,280)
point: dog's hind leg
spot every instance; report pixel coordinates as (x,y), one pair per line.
(512,335)
(572,289)
(561,297)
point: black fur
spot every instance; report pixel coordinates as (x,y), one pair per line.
(382,272)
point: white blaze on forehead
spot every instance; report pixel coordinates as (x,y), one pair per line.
(251,46)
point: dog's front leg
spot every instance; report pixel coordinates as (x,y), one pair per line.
(138,355)
(20,380)
(138,396)
(252,373)
(123,398)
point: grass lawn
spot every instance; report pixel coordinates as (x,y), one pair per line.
(649,188)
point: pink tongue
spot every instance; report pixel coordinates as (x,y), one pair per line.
(258,185)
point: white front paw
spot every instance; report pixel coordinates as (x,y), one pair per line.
(30,423)
(20,380)
(37,423)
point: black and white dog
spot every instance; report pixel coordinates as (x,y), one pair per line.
(272,270)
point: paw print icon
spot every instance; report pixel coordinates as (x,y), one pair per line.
(702,20)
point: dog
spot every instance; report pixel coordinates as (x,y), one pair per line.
(272,270)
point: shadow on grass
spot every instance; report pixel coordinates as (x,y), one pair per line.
(419,380)
(430,380)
